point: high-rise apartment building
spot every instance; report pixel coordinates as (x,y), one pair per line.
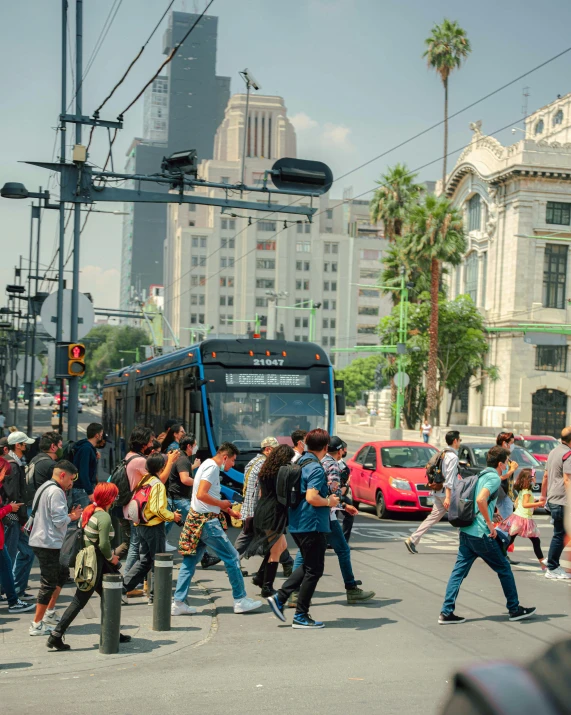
(184,117)
(219,266)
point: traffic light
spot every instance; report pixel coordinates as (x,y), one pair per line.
(76,359)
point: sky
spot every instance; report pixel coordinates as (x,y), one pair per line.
(351,73)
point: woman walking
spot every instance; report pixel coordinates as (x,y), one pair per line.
(270,518)
(97,532)
(172,438)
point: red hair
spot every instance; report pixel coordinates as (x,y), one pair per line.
(104,495)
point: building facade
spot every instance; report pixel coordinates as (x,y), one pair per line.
(517,206)
(156,111)
(224,270)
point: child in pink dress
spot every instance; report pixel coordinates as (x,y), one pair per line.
(521,522)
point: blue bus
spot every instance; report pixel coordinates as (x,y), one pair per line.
(225,390)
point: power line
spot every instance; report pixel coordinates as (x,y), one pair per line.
(101,39)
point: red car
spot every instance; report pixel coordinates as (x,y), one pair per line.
(539,445)
(391,476)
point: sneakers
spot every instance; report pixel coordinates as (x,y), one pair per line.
(277,607)
(288,569)
(170,547)
(21,607)
(244,605)
(557,573)
(543,563)
(292,600)
(57,642)
(522,613)
(123,638)
(150,600)
(25,596)
(410,546)
(178,608)
(267,591)
(52,618)
(39,629)
(450,619)
(357,595)
(135,593)
(511,562)
(207,561)
(124,599)
(305,621)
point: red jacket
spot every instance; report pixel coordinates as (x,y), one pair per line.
(4,511)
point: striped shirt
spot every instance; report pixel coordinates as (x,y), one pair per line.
(99,531)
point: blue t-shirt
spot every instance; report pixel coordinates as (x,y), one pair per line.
(307,518)
(489,480)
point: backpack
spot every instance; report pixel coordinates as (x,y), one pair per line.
(30,469)
(434,469)
(68,451)
(288,484)
(85,572)
(463,510)
(141,494)
(72,545)
(28,526)
(120,479)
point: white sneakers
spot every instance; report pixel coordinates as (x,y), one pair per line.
(244,605)
(51,618)
(170,547)
(557,573)
(181,609)
(40,629)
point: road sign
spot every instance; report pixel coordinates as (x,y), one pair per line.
(86,315)
(401,380)
(27,377)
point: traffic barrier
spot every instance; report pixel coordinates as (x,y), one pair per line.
(110,614)
(162,593)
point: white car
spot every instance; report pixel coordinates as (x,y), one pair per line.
(87,399)
(43,398)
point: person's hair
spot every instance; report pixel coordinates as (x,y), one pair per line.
(139,438)
(93,429)
(316,440)
(523,480)
(497,455)
(298,435)
(187,441)
(279,457)
(229,449)
(104,495)
(48,439)
(504,437)
(155,464)
(169,437)
(566,435)
(452,436)
(169,424)
(13,428)
(64,465)
(156,445)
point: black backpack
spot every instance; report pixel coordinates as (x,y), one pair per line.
(121,481)
(463,510)
(434,468)
(68,451)
(288,484)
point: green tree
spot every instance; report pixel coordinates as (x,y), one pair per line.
(446,48)
(390,202)
(360,376)
(436,235)
(107,345)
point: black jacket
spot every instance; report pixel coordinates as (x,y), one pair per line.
(14,488)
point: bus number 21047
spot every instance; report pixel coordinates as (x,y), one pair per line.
(268,361)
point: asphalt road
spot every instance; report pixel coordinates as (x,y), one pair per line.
(389,655)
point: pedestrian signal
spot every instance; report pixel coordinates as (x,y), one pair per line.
(76,359)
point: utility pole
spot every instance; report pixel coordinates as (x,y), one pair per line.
(32,305)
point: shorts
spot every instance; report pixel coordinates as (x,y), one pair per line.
(52,573)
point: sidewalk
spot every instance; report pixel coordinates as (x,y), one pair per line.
(364,433)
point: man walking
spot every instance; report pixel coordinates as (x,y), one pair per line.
(558,478)
(41,468)
(85,459)
(479,540)
(442,496)
(298,441)
(46,539)
(204,529)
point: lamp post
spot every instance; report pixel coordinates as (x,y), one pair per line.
(250,82)
(312,307)
(273,298)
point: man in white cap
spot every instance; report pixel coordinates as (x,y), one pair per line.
(14,488)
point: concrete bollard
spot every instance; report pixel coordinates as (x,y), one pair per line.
(110,613)
(162,592)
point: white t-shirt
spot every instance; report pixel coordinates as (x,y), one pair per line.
(426,427)
(208,471)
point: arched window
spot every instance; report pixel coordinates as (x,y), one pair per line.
(558,118)
(474,213)
(471,272)
(539,127)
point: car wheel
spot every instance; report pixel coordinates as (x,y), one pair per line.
(380,505)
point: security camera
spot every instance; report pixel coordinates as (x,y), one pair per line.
(249,79)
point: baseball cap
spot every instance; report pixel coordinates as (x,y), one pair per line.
(18,438)
(270,442)
(335,443)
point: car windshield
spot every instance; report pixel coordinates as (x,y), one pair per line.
(519,455)
(406,457)
(539,446)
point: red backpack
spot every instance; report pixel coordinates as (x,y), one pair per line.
(141,494)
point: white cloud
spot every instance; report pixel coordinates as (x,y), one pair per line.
(102,284)
(302,122)
(338,135)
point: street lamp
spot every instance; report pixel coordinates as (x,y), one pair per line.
(15,190)
(250,82)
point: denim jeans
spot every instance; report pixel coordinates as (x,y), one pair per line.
(558,540)
(489,551)
(336,539)
(183,505)
(6,577)
(214,539)
(80,496)
(133,553)
(21,555)
(504,505)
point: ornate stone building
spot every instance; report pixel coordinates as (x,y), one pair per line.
(517,205)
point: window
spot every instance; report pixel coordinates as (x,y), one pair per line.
(368,254)
(266,283)
(368,293)
(368,310)
(306,265)
(192,223)
(304,228)
(484,277)
(226,282)
(195,241)
(228,223)
(304,339)
(227,243)
(326,285)
(297,322)
(326,267)
(223,243)
(325,305)
(230,263)
(332,341)
(224,224)
(539,127)
(266,245)
(458,280)
(230,300)
(328,229)
(197,281)
(303,246)
(324,341)
(472,275)
(224,179)
(192,207)
(333,268)
(333,323)
(369,274)
(266,263)
(298,265)
(305,322)
(329,213)
(331,247)
(223,263)
(261,302)
(325,323)
(194,260)
(552,358)
(266,225)
(333,286)
(197,300)
(558,213)
(193,318)
(333,305)
(202,261)
(366,329)
(222,300)
(558,118)
(474,213)
(302,285)
(554,276)
(296,338)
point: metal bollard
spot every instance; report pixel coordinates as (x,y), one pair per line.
(162,594)
(110,613)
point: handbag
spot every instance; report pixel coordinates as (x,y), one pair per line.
(72,545)
(248,527)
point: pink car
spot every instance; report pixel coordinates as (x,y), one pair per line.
(539,445)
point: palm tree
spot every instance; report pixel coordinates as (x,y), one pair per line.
(446,47)
(390,202)
(436,234)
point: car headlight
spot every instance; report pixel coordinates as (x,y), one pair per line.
(402,484)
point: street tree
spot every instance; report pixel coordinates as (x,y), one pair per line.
(446,48)
(390,202)
(360,376)
(108,345)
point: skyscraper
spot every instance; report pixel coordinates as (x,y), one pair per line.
(195,101)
